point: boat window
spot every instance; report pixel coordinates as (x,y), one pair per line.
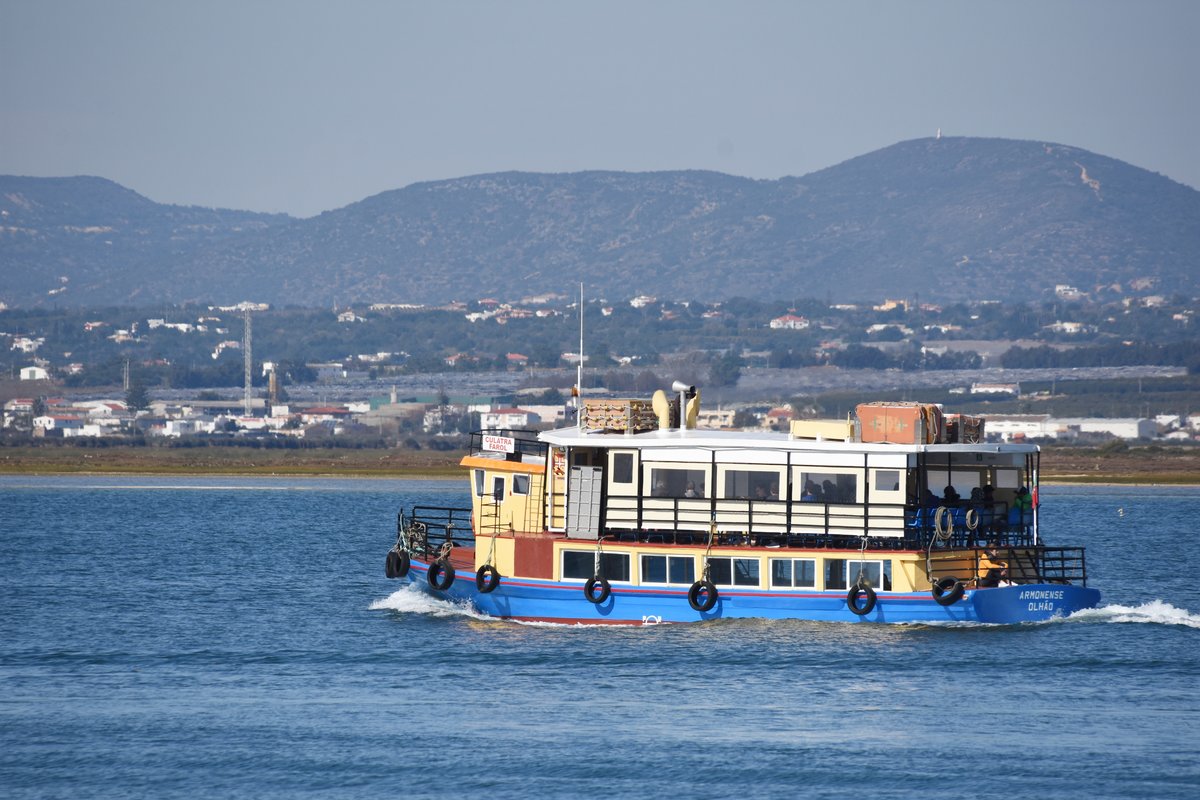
(887,480)
(752,484)
(479,482)
(677,482)
(794,572)
(520,484)
(734,571)
(828,487)
(835,573)
(622,467)
(581,565)
(668,569)
(878,573)
(1008,479)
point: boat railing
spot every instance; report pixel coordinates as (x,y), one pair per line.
(426,530)
(523,442)
(997,566)
(752,517)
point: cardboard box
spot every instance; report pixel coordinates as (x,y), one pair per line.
(901,423)
(620,415)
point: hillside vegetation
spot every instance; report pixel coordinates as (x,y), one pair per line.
(939,219)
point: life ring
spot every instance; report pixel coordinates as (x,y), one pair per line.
(852,599)
(487,578)
(589,589)
(396,564)
(441,574)
(948,591)
(708,589)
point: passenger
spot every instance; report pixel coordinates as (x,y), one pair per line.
(1021,513)
(760,492)
(773,494)
(950,496)
(692,491)
(987,513)
(809,494)
(660,488)
(828,491)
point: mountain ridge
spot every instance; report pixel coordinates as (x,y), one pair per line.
(944,219)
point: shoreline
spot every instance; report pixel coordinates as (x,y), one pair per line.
(1146,466)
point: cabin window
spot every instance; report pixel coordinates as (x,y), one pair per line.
(479,482)
(520,484)
(581,565)
(498,488)
(840,573)
(794,572)
(887,480)
(835,573)
(752,484)
(668,569)
(622,467)
(733,571)
(1008,479)
(667,482)
(828,487)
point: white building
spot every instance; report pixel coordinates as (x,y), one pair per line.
(34,374)
(1021,426)
(501,418)
(1043,426)
(789,322)
(1120,428)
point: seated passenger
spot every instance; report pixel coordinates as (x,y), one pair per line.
(1021,513)
(692,491)
(773,493)
(810,492)
(950,496)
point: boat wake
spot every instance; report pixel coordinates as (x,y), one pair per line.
(410,600)
(1156,612)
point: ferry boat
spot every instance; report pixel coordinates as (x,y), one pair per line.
(900,514)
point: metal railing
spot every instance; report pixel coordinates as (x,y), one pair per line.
(427,529)
(524,442)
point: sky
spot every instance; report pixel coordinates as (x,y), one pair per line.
(303,107)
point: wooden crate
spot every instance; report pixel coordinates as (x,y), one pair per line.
(618,415)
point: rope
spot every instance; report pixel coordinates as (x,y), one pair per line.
(861,580)
(599,552)
(941,533)
(712,535)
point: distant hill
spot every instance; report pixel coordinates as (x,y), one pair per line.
(942,219)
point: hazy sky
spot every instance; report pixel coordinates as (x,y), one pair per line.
(307,106)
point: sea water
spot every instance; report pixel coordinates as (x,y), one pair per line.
(185,638)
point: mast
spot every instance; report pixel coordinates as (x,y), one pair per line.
(579,367)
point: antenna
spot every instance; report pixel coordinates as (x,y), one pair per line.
(579,366)
(246,341)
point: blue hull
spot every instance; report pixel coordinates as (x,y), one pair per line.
(549,601)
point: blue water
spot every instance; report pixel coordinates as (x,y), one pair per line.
(237,638)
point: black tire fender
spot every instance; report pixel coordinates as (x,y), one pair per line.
(441,574)
(708,589)
(589,589)
(487,578)
(852,599)
(396,564)
(948,591)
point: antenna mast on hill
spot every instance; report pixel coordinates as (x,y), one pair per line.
(249,359)
(579,366)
